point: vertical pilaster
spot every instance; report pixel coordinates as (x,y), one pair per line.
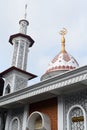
(8,120)
(25,57)
(60,113)
(25,117)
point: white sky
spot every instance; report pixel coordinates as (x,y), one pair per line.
(46,18)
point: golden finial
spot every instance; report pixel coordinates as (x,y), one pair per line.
(62,33)
(25,15)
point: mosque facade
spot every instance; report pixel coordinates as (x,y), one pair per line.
(57,102)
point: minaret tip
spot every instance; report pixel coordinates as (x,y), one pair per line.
(62,33)
(24,23)
(25,14)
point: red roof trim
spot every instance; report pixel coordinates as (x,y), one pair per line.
(60,68)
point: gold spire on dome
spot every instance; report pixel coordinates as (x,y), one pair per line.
(62,33)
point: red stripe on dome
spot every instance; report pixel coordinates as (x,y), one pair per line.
(60,68)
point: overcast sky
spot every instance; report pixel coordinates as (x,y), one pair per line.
(46,18)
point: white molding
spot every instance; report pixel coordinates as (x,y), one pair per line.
(19,44)
(24,63)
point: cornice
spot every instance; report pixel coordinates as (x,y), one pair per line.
(56,83)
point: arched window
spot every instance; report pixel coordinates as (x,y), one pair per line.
(7,90)
(38,121)
(76,118)
(15,124)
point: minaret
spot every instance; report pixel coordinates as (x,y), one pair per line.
(21,42)
(16,76)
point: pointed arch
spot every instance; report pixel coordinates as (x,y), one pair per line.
(8,89)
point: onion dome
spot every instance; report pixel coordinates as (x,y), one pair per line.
(62,62)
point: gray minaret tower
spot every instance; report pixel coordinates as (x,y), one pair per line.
(21,43)
(16,77)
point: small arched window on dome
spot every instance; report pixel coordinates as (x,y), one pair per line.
(7,90)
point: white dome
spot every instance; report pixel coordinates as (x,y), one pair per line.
(61,63)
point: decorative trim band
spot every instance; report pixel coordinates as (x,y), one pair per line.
(41,88)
